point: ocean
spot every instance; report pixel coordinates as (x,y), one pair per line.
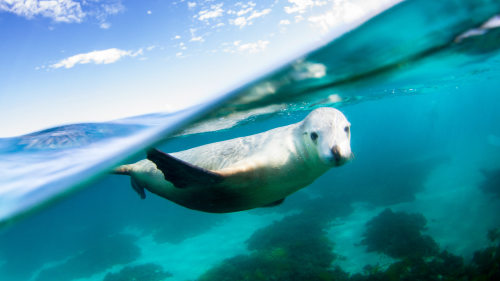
(420,200)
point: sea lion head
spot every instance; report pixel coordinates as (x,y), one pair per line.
(327,133)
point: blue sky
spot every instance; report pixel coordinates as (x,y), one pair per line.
(70,61)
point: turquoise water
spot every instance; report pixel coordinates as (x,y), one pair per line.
(420,201)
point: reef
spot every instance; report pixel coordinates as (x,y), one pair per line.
(491,184)
(143,272)
(494,235)
(295,248)
(100,255)
(299,235)
(444,266)
(486,263)
(399,235)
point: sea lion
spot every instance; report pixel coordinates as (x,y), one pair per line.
(247,172)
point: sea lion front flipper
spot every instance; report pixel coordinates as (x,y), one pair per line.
(180,173)
(139,189)
(275,203)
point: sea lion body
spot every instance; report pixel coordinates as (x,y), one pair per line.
(256,170)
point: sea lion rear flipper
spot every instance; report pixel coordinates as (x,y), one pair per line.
(180,173)
(275,203)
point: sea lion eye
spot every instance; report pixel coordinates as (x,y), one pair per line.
(314,136)
(346,129)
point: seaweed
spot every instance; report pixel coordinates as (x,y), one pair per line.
(143,272)
(300,236)
(491,184)
(494,234)
(101,254)
(485,264)
(420,259)
(295,248)
(399,235)
(442,267)
(261,267)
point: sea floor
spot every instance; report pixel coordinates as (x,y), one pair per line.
(192,257)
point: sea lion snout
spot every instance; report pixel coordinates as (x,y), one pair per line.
(336,153)
(339,157)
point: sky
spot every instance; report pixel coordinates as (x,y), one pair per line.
(67,61)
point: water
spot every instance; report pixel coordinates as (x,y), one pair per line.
(420,200)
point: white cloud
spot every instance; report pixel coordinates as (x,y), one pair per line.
(191,5)
(149,12)
(240,21)
(257,14)
(284,22)
(177,37)
(243,5)
(243,21)
(97,57)
(345,13)
(197,39)
(112,8)
(103,10)
(59,11)
(250,48)
(244,11)
(301,6)
(68,11)
(215,11)
(105,25)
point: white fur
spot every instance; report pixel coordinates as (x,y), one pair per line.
(258,169)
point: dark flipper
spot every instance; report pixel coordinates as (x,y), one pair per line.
(182,174)
(275,203)
(139,189)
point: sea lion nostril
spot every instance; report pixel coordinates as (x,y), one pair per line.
(336,153)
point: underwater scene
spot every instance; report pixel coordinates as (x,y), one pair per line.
(418,198)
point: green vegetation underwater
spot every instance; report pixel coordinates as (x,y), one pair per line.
(420,201)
